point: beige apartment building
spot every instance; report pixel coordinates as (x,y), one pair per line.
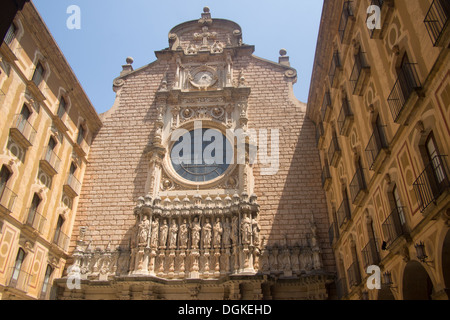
(46,126)
(380,98)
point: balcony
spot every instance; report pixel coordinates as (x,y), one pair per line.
(404,94)
(344,213)
(437,22)
(370,254)
(7,200)
(35,220)
(50,162)
(360,74)
(354,275)
(22,132)
(432,183)
(61,240)
(386,11)
(81,147)
(335,69)
(333,233)
(19,280)
(358,187)
(393,228)
(320,134)
(327,107)
(326,177)
(72,186)
(345,119)
(341,287)
(59,122)
(346,23)
(334,152)
(377,149)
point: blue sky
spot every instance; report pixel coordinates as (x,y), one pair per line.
(112,30)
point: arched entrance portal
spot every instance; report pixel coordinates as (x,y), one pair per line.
(417,283)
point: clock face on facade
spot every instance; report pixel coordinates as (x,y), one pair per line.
(201,155)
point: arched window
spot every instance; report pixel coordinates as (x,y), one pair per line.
(81,134)
(62,108)
(33,212)
(45,285)
(38,74)
(17,267)
(5,174)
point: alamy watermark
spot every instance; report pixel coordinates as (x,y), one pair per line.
(374,19)
(73,22)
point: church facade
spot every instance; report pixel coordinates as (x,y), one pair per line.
(204,182)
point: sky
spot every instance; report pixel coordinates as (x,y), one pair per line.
(112,30)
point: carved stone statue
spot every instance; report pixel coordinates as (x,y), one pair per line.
(143,231)
(173,232)
(154,237)
(226,233)
(163,233)
(246,229)
(195,231)
(207,231)
(218,230)
(235,230)
(184,234)
(256,230)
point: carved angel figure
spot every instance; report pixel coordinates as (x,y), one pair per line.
(173,232)
(195,229)
(143,230)
(184,234)
(163,232)
(207,231)
(246,229)
(218,230)
(154,236)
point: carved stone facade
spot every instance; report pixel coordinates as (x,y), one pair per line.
(214,226)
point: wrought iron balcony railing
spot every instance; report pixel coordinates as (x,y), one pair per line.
(320,133)
(359,76)
(22,131)
(376,144)
(7,199)
(334,152)
(72,186)
(333,233)
(335,67)
(326,176)
(437,20)
(407,82)
(345,118)
(432,182)
(50,161)
(393,228)
(344,213)
(326,107)
(19,279)
(35,220)
(347,12)
(61,240)
(358,186)
(370,253)
(354,275)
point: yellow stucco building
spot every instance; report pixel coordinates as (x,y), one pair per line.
(46,126)
(380,98)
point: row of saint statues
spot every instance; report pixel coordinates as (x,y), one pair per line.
(196,234)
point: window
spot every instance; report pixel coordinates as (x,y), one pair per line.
(62,108)
(59,226)
(52,144)
(10,34)
(188,158)
(398,205)
(18,266)
(25,113)
(48,274)
(33,209)
(38,74)
(73,169)
(5,174)
(435,159)
(81,133)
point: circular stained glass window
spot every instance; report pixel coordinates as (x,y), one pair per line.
(201,155)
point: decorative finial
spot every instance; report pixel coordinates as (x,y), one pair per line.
(283,52)
(130,60)
(206,10)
